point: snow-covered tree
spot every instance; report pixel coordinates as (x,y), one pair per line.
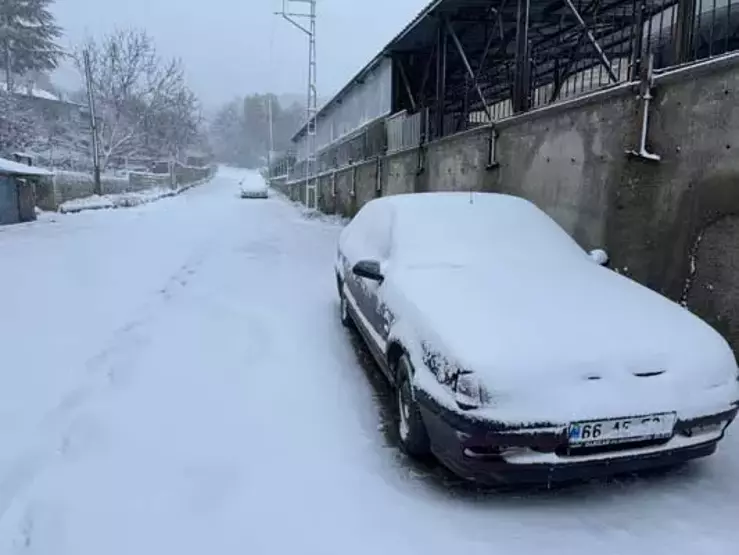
(28,32)
(227,134)
(174,120)
(18,125)
(143,104)
(240,131)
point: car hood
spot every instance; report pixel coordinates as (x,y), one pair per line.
(577,331)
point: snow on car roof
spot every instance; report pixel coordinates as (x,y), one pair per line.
(458,205)
(428,226)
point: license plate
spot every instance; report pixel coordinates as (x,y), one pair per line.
(621,430)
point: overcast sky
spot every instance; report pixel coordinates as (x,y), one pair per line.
(225,44)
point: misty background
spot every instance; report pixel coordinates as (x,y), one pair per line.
(225,44)
(216,65)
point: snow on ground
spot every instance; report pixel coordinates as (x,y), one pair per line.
(120,200)
(174,379)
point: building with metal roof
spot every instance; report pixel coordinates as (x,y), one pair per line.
(462,63)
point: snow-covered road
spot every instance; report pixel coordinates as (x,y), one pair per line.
(174,380)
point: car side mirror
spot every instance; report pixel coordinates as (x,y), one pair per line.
(599,256)
(368,269)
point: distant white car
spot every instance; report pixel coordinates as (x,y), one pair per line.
(253,188)
(515,355)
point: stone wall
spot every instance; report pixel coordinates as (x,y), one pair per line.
(140,181)
(185,175)
(65,186)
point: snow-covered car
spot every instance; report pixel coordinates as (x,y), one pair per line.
(253,188)
(515,355)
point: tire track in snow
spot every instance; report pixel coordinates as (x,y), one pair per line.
(109,368)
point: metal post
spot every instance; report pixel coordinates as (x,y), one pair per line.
(424,80)
(466,102)
(496,32)
(589,34)
(684,26)
(444,55)
(406,83)
(311,170)
(468,68)
(637,37)
(521,83)
(560,78)
(93,123)
(271,137)
(646,84)
(440,79)
(378,177)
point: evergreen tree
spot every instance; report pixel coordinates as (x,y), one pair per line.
(28,32)
(17,124)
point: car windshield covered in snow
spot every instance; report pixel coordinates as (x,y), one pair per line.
(463,229)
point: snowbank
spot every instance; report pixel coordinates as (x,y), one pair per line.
(123,200)
(126,199)
(310,213)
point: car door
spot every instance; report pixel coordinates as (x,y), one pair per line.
(368,240)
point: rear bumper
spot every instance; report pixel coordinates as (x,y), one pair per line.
(491,453)
(254,194)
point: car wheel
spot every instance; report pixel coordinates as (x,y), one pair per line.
(346,318)
(412,432)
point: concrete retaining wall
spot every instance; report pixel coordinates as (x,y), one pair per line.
(570,159)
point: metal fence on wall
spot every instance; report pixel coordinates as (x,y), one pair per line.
(571,48)
(281,164)
(405,130)
(576,47)
(367,143)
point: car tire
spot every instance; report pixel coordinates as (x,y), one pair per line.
(414,438)
(344,315)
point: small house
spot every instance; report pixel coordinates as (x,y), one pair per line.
(18,191)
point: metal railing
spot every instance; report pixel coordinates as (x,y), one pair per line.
(405,131)
(583,47)
(569,63)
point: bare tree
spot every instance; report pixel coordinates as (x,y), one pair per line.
(133,90)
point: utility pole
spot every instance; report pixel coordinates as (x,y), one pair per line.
(93,123)
(271,135)
(311,166)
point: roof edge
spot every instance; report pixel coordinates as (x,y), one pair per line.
(373,63)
